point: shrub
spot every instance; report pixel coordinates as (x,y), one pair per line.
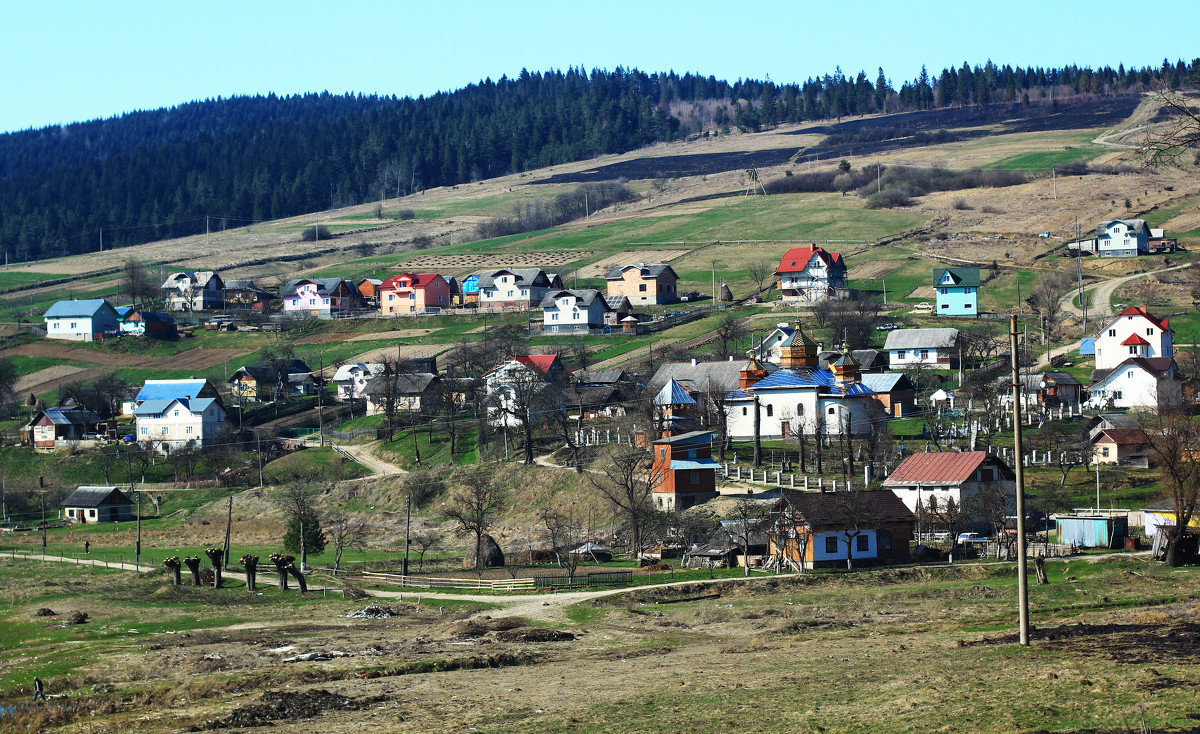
(961,204)
(319,232)
(889,198)
(989,209)
(405,214)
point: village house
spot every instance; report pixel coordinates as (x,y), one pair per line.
(81,321)
(807,274)
(970,478)
(894,391)
(469,291)
(409,392)
(800,397)
(178,420)
(1119,446)
(515,373)
(351,379)
(1049,388)
(701,379)
(246,295)
(1135,332)
(155,324)
(1104,421)
(831,529)
(682,471)
(263,383)
(1122,238)
(927,347)
(957,291)
(1137,383)
(600,393)
(53,427)
(89,504)
(519,288)
(573,311)
(198,291)
(323,297)
(413,293)
(643,283)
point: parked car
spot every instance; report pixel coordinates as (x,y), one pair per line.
(971,538)
(924,304)
(887,327)
(754,299)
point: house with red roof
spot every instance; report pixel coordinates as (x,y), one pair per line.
(962,476)
(413,293)
(1118,445)
(1135,332)
(1138,382)
(808,274)
(510,383)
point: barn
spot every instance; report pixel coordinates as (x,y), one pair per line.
(97,504)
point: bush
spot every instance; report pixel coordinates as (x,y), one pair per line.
(889,198)
(962,205)
(989,209)
(319,232)
(406,214)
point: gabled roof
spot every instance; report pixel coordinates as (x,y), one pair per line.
(887,381)
(646,271)
(406,383)
(600,377)
(413,280)
(700,376)
(1133,340)
(616,303)
(543,363)
(70,416)
(921,339)
(325,286)
(1163,324)
(151,408)
(170,389)
(77,309)
(1114,420)
(1135,225)
(673,393)
(524,277)
(245,284)
(796,259)
(1122,436)
(585,296)
(88,496)
(346,371)
(960,277)
(1159,367)
(691,437)
(943,468)
(1061,378)
(826,509)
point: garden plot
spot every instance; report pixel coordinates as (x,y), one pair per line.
(601,267)
(873,269)
(466,264)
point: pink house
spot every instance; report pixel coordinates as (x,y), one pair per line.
(319,296)
(413,293)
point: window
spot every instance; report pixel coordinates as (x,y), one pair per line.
(831,544)
(554,317)
(657,477)
(901,354)
(642,288)
(188,430)
(799,409)
(662,453)
(1133,350)
(176,412)
(91,513)
(1149,332)
(1105,452)
(1112,332)
(1129,374)
(692,454)
(924,354)
(832,410)
(945,305)
(145,431)
(884,540)
(770,410)
(695,477)
(862,544)
(1116,395)
(743,411)
(164,430)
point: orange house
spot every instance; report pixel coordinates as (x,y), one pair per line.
(643,283)
(683,473)
(412,293)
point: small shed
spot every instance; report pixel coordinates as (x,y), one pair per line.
(1093,531)
(590,551)
(97,504)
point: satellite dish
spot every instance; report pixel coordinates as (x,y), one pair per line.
(1043,384)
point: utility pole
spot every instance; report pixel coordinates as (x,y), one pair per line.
(407,527)
(258,436)
(714,278)
(321,403)
(1022,561)
(1054,182)
(228,527)
(137,549)
(1079,268)
(102,239)
(885,292)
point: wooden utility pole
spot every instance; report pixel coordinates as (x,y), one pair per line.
(1022,560)
(714,279)
(407,527)
(757,433)
(137,549)
(228,527)
(1079,269)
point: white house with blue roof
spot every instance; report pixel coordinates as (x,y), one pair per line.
(81,321)
(170,413)
(800,397)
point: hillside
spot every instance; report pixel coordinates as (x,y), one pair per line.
(217,164)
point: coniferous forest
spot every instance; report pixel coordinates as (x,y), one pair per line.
(153,174)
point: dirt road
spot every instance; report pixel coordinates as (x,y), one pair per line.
(1101,293)
(364,455)
(197,358)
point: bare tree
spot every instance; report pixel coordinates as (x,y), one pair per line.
(982,340)
(138,283)
(760,271)
(727,337)
(425,541)
(1172,437)
(716,409)
(855,511)
(565,534)
(298,501)
(1168,142)
(950,515)
(994,503)
(748,514)
(473,506)
(346,534)
(526,400)
(622,476)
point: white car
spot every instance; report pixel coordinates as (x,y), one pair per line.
(924,304)
(971,538)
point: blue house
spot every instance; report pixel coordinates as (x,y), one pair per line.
(957,291)
(1122,238)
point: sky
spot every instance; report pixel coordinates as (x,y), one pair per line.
(71,60)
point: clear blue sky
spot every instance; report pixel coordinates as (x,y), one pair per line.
(77,60)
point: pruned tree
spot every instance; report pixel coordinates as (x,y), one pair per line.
(173,565)
(622,476)
(193,565)
(950,515)
(216,556)
(250,563)
(474,505)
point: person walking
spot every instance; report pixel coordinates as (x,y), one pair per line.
(38,692)
(87,547)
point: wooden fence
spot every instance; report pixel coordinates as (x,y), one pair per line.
(434,582)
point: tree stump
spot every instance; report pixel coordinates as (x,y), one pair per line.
(281,567)
(193,564)
(216,556)
(250,563)
(299,578)
(173,564)
(1039,565)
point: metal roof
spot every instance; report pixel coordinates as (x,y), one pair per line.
(695,464)
(796,259)
(824,509)
(646,271)
(71,416)
(1135,225)
(887,381)
(921,339)
(942,467)
(686,438)
(701,376)
(585,296)
(961,277)
(673,393)
(171,389)
(346,371)
(77,309)
(525,277)
(823,381)
(89,496)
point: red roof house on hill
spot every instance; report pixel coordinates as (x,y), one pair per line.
(811,274)
(1135,332)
